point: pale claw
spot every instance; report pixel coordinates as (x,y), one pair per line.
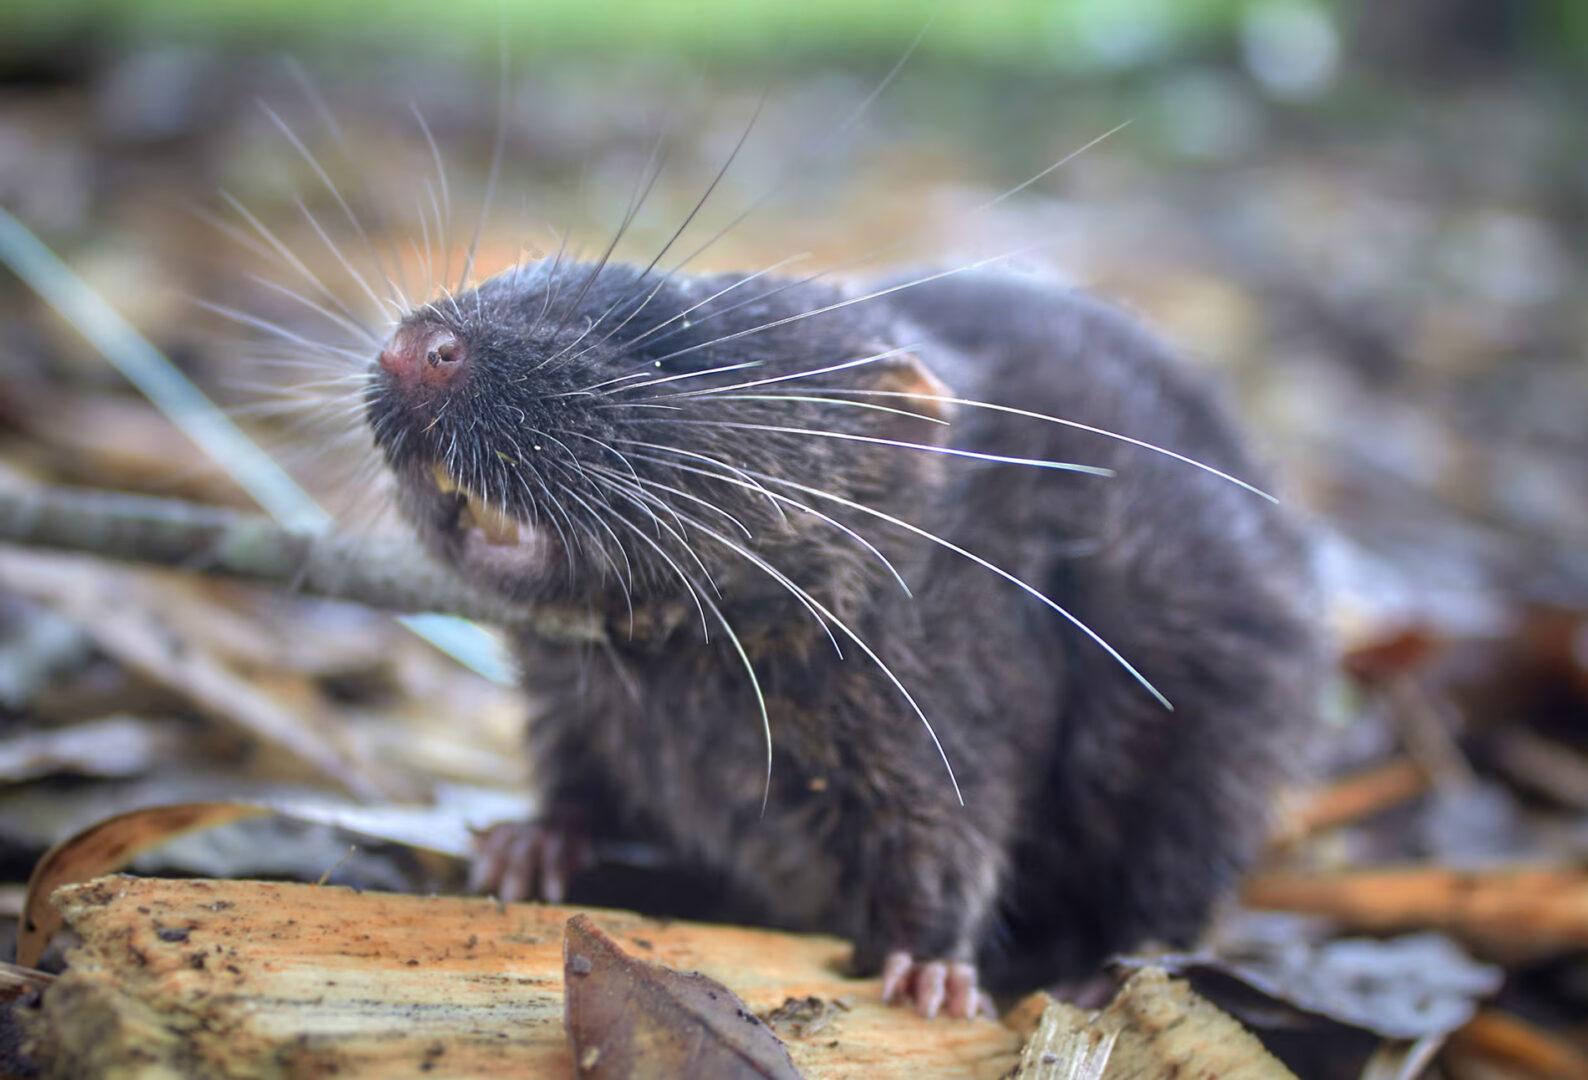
(933,987)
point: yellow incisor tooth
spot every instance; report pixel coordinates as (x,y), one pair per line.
(498,527)
(444,479)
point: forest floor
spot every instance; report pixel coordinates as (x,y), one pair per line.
(1392,284)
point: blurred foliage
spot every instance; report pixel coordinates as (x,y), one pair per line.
(1075,35)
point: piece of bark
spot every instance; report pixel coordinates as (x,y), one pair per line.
(1154,1027)
(1513,909)
(255,979)
(630,1018)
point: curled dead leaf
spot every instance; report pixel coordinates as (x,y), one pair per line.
(630,1018)
(106,847)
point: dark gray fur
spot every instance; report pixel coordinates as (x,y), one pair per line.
(1093,819)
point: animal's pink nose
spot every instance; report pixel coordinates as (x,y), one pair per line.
(424,356)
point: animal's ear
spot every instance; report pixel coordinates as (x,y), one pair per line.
(905,383)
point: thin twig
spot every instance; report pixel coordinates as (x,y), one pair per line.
(382,572)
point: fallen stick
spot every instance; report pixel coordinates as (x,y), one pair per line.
(1531,909)
(1509,1040)
(1353,798)
(383,571)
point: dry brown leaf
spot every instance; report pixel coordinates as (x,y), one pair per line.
(631,1018)
(118,609)
(103,848)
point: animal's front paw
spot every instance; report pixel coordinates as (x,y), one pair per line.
(934,986)
(530,860)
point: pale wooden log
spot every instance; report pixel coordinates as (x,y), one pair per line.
(251,979)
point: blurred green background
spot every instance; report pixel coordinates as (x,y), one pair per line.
(1072,34)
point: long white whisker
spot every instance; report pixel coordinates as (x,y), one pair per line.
(351,271)
(877,440)
(848,301)
(609,448)
(823,613)
(681,493)
(435,157)
(497,148)
(738,647)
(280,331)
(356,329)
(845,366)
(813,400)
(859,362)
(287,255)
(688,519)
(1077,425)
(669,378)
(701,600)
(597,386)
(768,269)
(897,244)
(319,170)
(638,405)
(832,139)
(628,569)
(627,578)
(979,561)
(754,486)
(335,193)
(708,459)
(1059,164)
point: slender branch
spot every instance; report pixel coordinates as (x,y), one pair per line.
(383,572)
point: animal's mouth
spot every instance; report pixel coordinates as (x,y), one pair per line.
(475,513)
(484,540)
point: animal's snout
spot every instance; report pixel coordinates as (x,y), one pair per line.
(424,356)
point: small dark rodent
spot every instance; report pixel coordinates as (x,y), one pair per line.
(566,436)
